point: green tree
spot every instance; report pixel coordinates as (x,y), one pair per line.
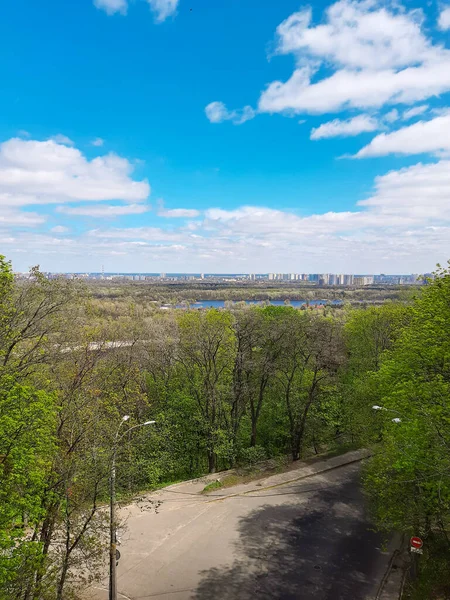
(206,353)
(409,476)
(27,446)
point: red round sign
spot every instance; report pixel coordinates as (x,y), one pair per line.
(416,542)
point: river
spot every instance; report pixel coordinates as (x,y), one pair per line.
(294,303)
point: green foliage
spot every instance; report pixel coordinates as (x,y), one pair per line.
(27,446)
(214,485)
(252,455)
(225,387)
(409,477)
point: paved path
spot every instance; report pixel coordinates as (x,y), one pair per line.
(305,540)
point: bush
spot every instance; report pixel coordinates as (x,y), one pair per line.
(252,455)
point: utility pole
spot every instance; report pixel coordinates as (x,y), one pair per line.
(112,531)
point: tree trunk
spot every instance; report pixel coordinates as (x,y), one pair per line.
(254,432)
(296,442)
(62,579)
(211,461)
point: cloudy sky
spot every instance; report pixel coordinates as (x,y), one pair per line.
(225,135)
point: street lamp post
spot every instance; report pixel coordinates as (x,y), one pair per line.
(112,509)
(395,419)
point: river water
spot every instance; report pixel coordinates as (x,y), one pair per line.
(294,303)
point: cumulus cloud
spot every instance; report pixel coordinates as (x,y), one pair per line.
(112,6)
(408,215)
(163,8)
(378,54)
(177,213)
(423,136)
(59,229)
(421,193)
(444,19)
(358,35)
(355,89)
(34,172)
(414,112)
(217,112)
(391,116)
(349,127)
(104,211)
(97,142)
(404,225)
(14,218)
(60,138)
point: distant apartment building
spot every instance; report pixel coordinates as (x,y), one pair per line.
(349,280)
(362,280)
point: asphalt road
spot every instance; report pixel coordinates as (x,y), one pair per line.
(307,540)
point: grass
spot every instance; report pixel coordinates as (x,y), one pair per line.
(214,485)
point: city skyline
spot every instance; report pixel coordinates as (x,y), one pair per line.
(135,135)
(321,279)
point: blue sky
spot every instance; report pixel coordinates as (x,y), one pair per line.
(225,136)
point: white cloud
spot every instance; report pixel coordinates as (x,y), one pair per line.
(33,172)
(414,112)
(97,142)
(404,226)
(112,6)
(104,211)
(355,89)
(217,112)
(350,127)
(378,55)
(423,136)
(60,138)
(420,192)
(14,218)
(23,133)
(444,18)
(358,35)
(163,8)
(176,213)
(391,116)
(59,229)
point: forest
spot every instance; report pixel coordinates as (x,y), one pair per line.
(225,388)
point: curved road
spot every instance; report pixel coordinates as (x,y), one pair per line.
(305,540)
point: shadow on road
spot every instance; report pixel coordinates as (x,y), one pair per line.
(320,549)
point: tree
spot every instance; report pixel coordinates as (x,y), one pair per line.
(409,476)
(311,353)
(27,445)
(260,360)
(206,358)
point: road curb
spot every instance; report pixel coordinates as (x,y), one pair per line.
(316,469)
(331,463)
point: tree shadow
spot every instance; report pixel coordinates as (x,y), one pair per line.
(320,549)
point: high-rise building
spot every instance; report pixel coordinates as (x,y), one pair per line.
(348,279)
(363,280)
